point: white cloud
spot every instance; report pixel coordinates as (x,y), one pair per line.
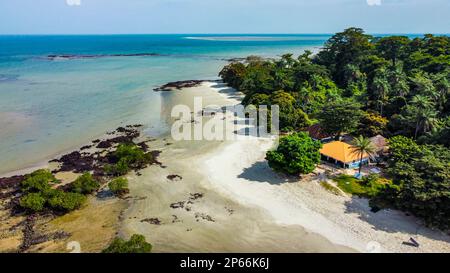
(73,2)
(374,2)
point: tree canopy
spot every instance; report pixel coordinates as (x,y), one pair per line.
(421,175)
(365,85)
(296,154)
(136,244)
(403,83)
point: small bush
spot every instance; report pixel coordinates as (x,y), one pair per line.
(120,168)
(136,244)
(33,202)
(373,184)
(127,157)
(85,184)
(296,154)
(65,201)
(38,181)
(119,186)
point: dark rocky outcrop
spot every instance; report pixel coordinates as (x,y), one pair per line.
(53,57)
(152,221)
(76,162)
(204,216)
(32,237)
(174,177)
(171,86)
(11,182)
(178,205)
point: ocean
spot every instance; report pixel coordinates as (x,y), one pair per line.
(60,92)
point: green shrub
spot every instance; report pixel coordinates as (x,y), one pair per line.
(127,156)
(85,184)
(38,181)
(373,184)
(136,244)
(421,180)
(131,154)
(120,168)
(65,201)
(296,154)
(119,186)
(33,202)
(39,194)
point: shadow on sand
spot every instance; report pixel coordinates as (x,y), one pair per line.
(226,90)
(261,172)
(392,221)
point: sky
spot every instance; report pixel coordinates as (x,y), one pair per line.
(222,16)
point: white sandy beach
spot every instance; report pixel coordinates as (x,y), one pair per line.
(253,209)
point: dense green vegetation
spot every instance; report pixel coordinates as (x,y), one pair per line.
(39,195)
(127,157)
(338,117)
(397,85)
(421,175)
(136,244)
(85,184)
(119,186)
(296,154)
(40,191)
(364,85)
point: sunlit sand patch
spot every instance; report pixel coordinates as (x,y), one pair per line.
(93,226)
(66,177)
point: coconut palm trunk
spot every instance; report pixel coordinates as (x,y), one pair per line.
(360,163)
(361,146)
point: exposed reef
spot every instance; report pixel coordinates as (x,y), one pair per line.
(178,85)
(54,57)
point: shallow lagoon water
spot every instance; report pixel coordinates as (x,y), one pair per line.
(51,105)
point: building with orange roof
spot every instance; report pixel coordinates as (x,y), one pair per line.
(343,155)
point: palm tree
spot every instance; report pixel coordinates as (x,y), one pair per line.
(381,87)
(425,120)
(425,115)
(398,81)
(363,146)
(442,92)
(422,102)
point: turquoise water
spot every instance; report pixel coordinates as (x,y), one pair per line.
(50,105)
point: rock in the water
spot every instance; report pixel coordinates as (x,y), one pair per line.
(171,86)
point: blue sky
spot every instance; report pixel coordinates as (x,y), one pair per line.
(222,16)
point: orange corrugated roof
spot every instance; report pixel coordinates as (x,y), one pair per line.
(341,151)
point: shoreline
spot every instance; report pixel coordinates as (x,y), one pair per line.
(205,189)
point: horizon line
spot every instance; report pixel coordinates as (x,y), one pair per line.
(118,34)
